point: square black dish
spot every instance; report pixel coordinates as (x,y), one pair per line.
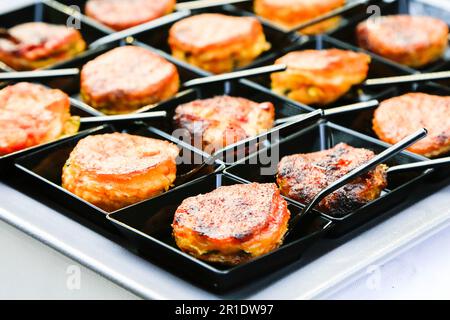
(378,68)
(158,37)
(46,11)
(44,168)
(71,85)
(76,109)
(283,107)
(148,226)
(411,7)
(323,136)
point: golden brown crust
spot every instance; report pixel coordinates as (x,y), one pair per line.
(40,45)
(31,114)
(289,13)
(410,40)
(112,171)
(127,78)
(320,76)
(232,224)
(302,176)
(216,42)
(120,14)
(399,117)
(224,120)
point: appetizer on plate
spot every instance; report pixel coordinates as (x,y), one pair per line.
(126,79)
(302,176)
(124,14)
(31,114)
(232,224)
(37,45)
(320,76)
(224,120)
(290,13)
(398,117)
(112,171)
(414,41)
(217,43)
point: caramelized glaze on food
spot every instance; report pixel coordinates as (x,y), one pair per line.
(320,76)
(115,170)
(232,224)
(399,117)
(31,114)
(224,120)
(302,176)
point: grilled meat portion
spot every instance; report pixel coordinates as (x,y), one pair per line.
(302,176)
(40,45)
(217,43)
(290,13)
(127,78)
(399,117)
(116,170)
(320,76)
(224,120)
(120,14)
(414,41)
(31,114)
(232,224)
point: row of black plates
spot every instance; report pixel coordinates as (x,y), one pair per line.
(146,227)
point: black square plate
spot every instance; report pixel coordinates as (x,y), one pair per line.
(323,136)
(378,68)
(45,166)
(148,226)
(46,11)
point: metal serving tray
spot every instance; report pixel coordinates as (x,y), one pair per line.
(378,68)
(46,11)
(148,226)
(44,169)
(325,135)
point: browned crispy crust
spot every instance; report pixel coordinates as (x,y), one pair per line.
(31,114)
(320,76)
(398,117)
(40,45)
(289,13)
(224,120)
(232,224)
(410,40)
(302,176)
(120,14)
(113,171)
(216,42)
(126,79)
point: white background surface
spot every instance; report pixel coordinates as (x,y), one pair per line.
(31,270)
